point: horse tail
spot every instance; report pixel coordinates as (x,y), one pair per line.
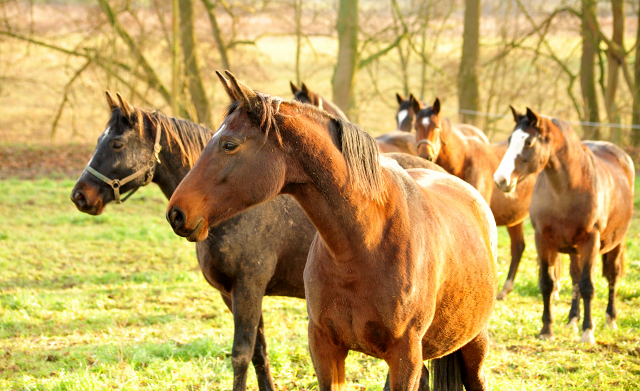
(446,372)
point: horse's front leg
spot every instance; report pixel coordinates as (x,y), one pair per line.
(576,272)
(548,258)
(328,357)
(406,365)
(588,251)
(516,234)
(248,339)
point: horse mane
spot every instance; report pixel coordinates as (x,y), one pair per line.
(189,137)
(359,149)
(362,156)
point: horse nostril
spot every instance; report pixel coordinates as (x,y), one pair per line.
(176,218)
(79,198)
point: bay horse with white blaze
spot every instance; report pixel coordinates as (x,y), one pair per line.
(275,236)
(403,266)
(582,206)
(472,159)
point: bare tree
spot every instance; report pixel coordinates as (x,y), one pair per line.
(635,139)
(468,95)
(590,45)
(347,65)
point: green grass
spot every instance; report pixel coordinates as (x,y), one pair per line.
(118,302)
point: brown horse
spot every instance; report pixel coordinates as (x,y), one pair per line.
(582,205)
(304,95)
(473,160)
(403,267)
(275,236)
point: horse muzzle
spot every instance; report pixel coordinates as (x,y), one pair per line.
(87,199)
(178,221)
(504,185)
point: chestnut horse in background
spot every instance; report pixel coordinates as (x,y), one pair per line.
(582,206)
(474,160)
(403,266)
(304,95)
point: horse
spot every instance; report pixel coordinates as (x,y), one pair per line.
(582,206)
(389,274)
(472,159)
(275,236)
(304,95)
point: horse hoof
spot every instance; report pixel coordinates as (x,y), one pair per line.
(611,322)
(573,324)
(546,337)
(555,295)
(587,337)
(502,295)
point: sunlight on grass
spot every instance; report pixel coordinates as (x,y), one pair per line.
(118,302)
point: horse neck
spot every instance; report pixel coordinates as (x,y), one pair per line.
(454,150)
(344,217)
(569,166)
(172,168)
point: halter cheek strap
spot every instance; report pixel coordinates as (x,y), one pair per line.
(116,184)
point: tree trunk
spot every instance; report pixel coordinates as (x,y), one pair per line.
(468,96)
(190,54)
(175,59)
(297,7)
(590,45)
(635,138)
(613,70)
(217,34)
(345,72)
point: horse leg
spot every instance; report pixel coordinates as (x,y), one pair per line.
(249,343)
(516,233)
(574,312)
(328,360)
(474,354)
(612,269)
(588,251)
(424,380)
(547,258)
(406,365)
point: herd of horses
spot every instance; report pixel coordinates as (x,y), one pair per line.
(392,241)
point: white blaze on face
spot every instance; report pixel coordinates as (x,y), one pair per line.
(402,114)
(426,121)
(507,165)
(105,133)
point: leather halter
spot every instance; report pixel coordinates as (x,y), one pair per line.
(436,148)
(150,168)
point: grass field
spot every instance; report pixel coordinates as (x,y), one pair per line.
(118,302)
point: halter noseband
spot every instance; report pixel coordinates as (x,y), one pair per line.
(434,147)
(116,184)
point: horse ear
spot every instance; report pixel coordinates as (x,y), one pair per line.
(415,104)
(517,114)
(535,119)
(110,101)
(226,85)
(294,88)
(244,94)
(125,107)
(305,90)
(436,106)
(400,98)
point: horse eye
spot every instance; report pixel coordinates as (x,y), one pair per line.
(529,142)
(229,146)
(117,145)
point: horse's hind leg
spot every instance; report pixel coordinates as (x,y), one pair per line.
(474,354)
(576,272)
(516,233)
(612,265)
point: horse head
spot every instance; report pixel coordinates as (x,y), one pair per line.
(405,114)
(428,126)
(124,159)
(528,150)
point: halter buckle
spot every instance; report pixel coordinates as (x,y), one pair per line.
(115,184)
